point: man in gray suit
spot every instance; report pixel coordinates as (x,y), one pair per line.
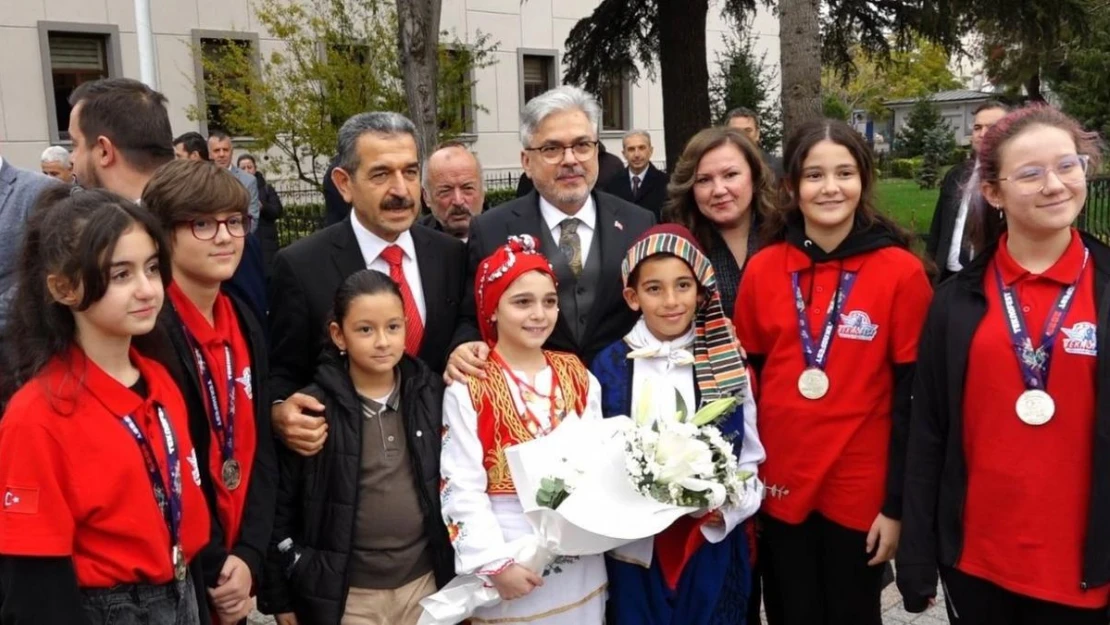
(19,189)
(583,233)
(219,152)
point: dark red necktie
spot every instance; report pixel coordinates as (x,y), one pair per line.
(414,330)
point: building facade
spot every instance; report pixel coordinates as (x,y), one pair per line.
(54,45)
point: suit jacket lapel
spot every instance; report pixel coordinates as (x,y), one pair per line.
(7,182)
(431,279)
(613,245)
(526,219)
(346,255)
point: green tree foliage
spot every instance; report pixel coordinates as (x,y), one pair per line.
(936,147)
(743,79)
(337,58)
(913,73)
(1082,82)
(925,128)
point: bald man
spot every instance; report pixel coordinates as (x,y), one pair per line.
(453,189)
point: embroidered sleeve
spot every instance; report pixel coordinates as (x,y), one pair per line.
(751,455)
(471,524)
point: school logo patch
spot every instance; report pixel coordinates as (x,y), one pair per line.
(856,325)
(245,381)
(194,465)
(1082,339)
(21,500)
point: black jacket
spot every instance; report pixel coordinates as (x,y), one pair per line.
(318,498)
(936,467)
(336,209)
(653,189)
(307,275)
(168,345)
(944,216)
(619,224)
(267,224)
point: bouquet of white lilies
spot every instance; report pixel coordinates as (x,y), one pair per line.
(685,460)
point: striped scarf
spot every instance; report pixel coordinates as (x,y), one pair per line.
(718,366)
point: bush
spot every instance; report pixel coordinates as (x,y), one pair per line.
(936,149)
(905,167)
(500,195)
(959,154)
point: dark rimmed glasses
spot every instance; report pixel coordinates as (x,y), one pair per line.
(553,153)
(206,228)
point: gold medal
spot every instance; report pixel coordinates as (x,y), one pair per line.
(232,474)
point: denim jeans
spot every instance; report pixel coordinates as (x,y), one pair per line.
(174,603)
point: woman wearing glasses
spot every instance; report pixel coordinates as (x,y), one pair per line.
(216,351)
(1008,467)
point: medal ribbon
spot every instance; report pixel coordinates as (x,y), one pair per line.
(224,427)
(170,505)
(527,416)
(1034,363)
(817,356)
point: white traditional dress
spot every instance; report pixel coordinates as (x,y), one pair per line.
(483,514)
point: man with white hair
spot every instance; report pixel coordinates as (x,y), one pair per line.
(55,163)
(453,189)
(583,233)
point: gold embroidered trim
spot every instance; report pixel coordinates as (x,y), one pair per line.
(542,615)
(628,560)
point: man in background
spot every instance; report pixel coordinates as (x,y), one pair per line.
(219,151)
(641,183)
(192,146)
(55,163)
(453,189)
(747,121)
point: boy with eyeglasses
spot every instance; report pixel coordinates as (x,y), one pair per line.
(214,347)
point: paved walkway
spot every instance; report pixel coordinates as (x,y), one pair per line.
(893,614)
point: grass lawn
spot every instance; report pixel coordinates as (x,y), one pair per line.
(906,203)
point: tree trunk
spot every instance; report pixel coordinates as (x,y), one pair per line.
(800,49)
(418,44)
(1033,87)
(683,72)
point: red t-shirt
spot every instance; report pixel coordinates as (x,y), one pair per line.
(830,455)
(1028,490)
(211,341)
(74,479)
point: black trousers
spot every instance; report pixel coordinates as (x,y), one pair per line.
(975,601)
(818,571)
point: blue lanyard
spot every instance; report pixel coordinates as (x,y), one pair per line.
(168,496)
(817,356)
(1034,363)
(224,427)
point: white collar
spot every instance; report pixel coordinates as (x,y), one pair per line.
(372,245)
(644,344)
(641,175)
(553,216)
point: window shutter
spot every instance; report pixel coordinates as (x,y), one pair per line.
(534,71)
(77,53)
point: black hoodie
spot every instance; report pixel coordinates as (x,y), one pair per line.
(318,496)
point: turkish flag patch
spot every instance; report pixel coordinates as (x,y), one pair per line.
(21,500)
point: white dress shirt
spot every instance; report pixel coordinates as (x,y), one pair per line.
(554,218)
(372,246)
(640,175)
(970,187)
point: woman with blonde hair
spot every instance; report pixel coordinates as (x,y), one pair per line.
(720,190)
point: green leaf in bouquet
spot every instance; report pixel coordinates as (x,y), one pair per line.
(714,410)
(643,411)
(683,409)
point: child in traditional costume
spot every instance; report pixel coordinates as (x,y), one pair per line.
(525,393)
(681,354)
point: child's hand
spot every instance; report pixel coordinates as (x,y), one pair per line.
(515,582)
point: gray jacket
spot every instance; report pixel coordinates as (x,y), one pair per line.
(19,189)
(255,209)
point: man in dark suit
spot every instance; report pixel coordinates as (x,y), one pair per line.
(378,172)
(453,189)
(584,234)
(19,190)
(641,182)
(948,244)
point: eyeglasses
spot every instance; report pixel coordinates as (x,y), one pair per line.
(207,228)
(1071,171)
(553,153)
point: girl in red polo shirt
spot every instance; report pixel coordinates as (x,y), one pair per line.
(216,350)
(830,314)
(1008,468)
(102,506)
